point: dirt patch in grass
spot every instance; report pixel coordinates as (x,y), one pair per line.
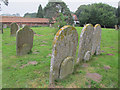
(103,51)
(110,54)
(49,55)
(43,45)
(106,67)
(85,65)
(14,66)
(38,35)
(112,47)
(29,63)
(38,72)
(94,76)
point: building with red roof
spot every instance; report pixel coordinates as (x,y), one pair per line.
(76,21)
(21,21)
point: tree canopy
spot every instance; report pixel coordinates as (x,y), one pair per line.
(97,13)
(118,10)
(53,9)
(40,12)
(30,15)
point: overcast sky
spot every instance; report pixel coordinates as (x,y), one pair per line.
(31,6)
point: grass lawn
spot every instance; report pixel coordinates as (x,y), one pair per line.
(18,73)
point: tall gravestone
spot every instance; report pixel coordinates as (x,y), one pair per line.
(24,40)
(85,44)
(96,40)
(13,29)
(63,53)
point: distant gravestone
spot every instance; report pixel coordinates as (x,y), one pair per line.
(1,28)
(96,40)
(85,44)
(24,40)
(63,53)
(13,28)
(116,27)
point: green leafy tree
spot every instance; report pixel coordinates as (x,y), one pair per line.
(40,12)
(60,22)
(118,13)
(53,9)
(97,13)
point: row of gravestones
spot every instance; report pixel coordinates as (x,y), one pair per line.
(64,47)
(24,38)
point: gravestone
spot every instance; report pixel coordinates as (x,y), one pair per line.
(116,27)
(85,44)
(63,53)
(24,40)
(1,28)
(13,28)
(96,40)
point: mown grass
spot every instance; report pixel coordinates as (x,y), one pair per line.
(37,76)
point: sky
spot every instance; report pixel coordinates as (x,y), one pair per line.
(31,6)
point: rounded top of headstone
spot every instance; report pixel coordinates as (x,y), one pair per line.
(25,28)
(60,31)
(97,25)
(86,26)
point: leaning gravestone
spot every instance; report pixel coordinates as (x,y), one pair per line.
(63,53)
(85,44)
(24,40)
(96,40)
(13,28)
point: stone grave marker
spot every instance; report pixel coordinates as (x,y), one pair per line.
(13,27)
(96,40)
(116,27)
(24,40)
(85,44)
(63,53)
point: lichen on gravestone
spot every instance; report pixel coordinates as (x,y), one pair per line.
(64,48)
(85,43)
(96,40)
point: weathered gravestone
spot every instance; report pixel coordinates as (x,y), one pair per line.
(63,53)
(13,28)
(96,40)
(1,28)
(85,44)
(116,27)
(24,40)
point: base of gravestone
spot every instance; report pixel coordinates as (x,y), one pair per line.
(24,50)
(98,51)
(87,56)
(67,67)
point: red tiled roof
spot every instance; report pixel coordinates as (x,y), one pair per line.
(74,17)
(21,19)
